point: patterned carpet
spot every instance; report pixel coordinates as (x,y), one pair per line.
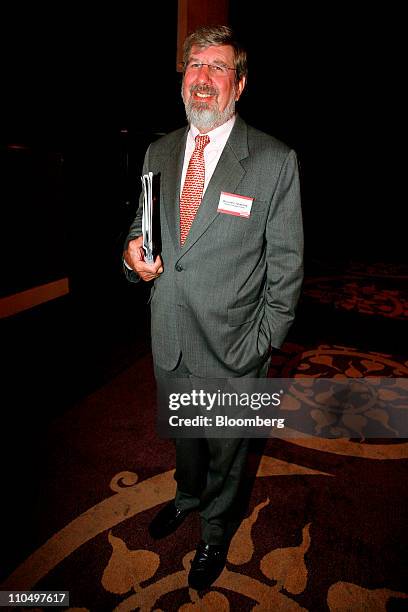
(378,289)
(323,531)
(325,519)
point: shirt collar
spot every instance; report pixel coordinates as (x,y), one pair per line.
(218,135)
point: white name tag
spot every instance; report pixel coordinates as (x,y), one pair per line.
(233,204)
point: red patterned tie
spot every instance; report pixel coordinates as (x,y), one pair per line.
(193,186)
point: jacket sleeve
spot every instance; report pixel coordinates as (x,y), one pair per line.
(284,253)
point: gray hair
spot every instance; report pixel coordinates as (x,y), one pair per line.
(208,36)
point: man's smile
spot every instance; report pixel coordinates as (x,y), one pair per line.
(200,92)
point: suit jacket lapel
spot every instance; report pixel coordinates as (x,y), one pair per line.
(226,177)
(170,185)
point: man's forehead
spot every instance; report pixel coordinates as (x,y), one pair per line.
(221,52)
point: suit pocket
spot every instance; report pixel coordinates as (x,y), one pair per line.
(238,315)
(258,207)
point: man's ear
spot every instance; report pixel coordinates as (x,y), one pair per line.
(240,88)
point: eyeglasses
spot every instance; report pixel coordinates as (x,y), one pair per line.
(213,69)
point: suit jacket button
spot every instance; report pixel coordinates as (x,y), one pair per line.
(179,267)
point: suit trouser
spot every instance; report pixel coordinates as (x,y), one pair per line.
(209,471)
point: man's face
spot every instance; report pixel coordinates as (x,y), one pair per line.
(210,97)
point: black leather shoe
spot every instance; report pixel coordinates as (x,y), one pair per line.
(166,521)
(207,565)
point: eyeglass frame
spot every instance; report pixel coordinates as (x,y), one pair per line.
(212,68)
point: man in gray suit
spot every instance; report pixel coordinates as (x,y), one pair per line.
(228,277)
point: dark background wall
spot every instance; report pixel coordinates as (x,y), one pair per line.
(96,86)
(85,91)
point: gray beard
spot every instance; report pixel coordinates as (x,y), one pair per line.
(207,119)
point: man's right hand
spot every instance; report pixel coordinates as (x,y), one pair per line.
(134,257)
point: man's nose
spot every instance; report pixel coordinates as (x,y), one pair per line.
(204,73)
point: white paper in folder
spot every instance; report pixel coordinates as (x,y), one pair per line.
(147,218)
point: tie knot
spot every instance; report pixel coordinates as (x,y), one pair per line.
(201,141)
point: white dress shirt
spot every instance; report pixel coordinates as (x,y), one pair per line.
(212,151)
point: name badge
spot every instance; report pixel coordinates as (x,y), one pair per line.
(234,204)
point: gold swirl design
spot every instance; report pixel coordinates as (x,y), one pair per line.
(123,480)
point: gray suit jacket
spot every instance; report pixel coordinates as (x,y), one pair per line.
(230,292)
